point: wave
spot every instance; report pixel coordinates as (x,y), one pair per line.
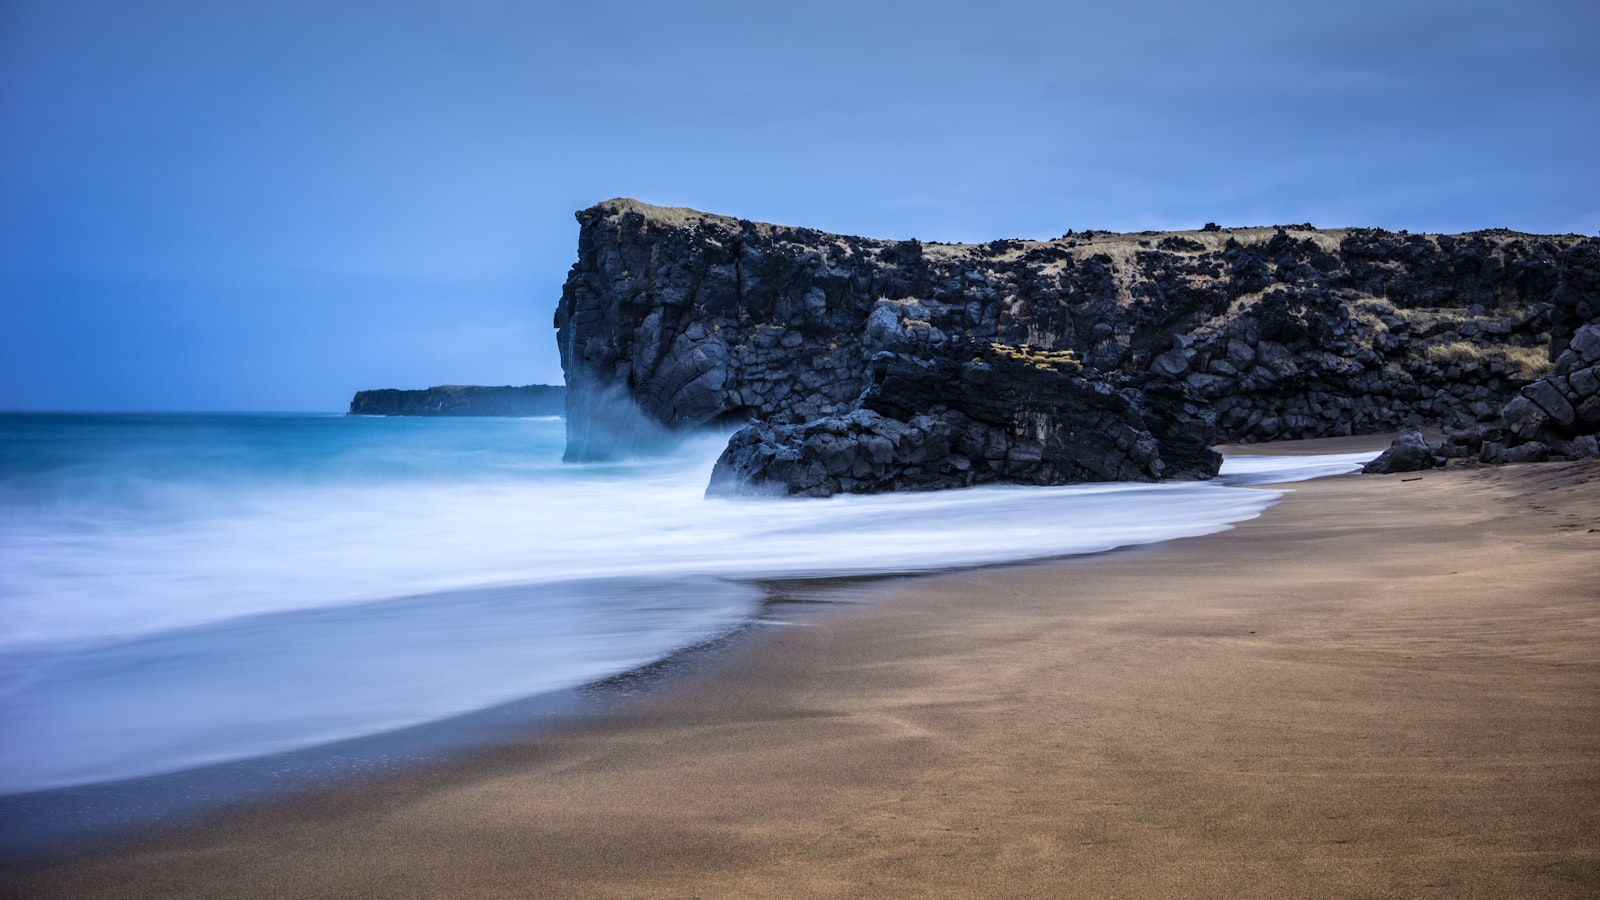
(157,621)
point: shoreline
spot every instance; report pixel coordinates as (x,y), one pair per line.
(54,824)
(873,735)
(55,821)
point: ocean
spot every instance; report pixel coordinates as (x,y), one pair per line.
(179,591)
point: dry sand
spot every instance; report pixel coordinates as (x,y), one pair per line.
(1385,686)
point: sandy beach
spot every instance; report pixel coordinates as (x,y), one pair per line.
(1383,686)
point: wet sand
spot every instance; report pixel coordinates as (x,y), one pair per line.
(1384,686)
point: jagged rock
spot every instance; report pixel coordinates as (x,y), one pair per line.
(1468,443)
(462,400)
(1546,393)
(673,319)
(1559,414)
(1410,452)
(1530,451)
(1172,364)
(860,452)
(1582,352)
(976,415)
(1523,418)
(1555,417)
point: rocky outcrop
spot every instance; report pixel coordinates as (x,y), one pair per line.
(673,320)
(1555,417)
(975,415)
(462,400)
(1558,415)
(1410,452)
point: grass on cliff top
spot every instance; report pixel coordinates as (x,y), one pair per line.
(1124,244)
(664,216)
(1079,243)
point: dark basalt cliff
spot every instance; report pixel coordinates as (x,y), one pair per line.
(462,400)
(1555,417)
(864,365)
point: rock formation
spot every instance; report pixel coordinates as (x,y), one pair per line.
(1555,417)
(864,365)
(462,400)
(1410,452)
(1558,415)
(977,414)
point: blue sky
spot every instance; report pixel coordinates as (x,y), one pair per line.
(252,205)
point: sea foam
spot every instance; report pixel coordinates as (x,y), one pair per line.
(193,590)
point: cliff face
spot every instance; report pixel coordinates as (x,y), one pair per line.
(673,319)
(462,400)
(1555,417)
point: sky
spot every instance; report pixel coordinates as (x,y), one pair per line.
(254,205)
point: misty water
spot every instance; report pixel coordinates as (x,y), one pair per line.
(182,590)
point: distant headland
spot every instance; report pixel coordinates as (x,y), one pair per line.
(462,400)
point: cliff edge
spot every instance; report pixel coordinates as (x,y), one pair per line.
(864,365)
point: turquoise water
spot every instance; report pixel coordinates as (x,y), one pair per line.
(183,590)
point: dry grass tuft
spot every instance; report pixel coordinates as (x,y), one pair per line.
(1039,359)
(1533,362)
(1530,362)
(1458,352)
(665,216)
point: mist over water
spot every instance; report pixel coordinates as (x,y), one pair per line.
(182,590)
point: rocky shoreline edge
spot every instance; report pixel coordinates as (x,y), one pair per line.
(857,365)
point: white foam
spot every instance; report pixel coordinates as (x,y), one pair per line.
(284,546)
(220,621)
(1249,470)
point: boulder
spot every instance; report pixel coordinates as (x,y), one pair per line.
(1410,452)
